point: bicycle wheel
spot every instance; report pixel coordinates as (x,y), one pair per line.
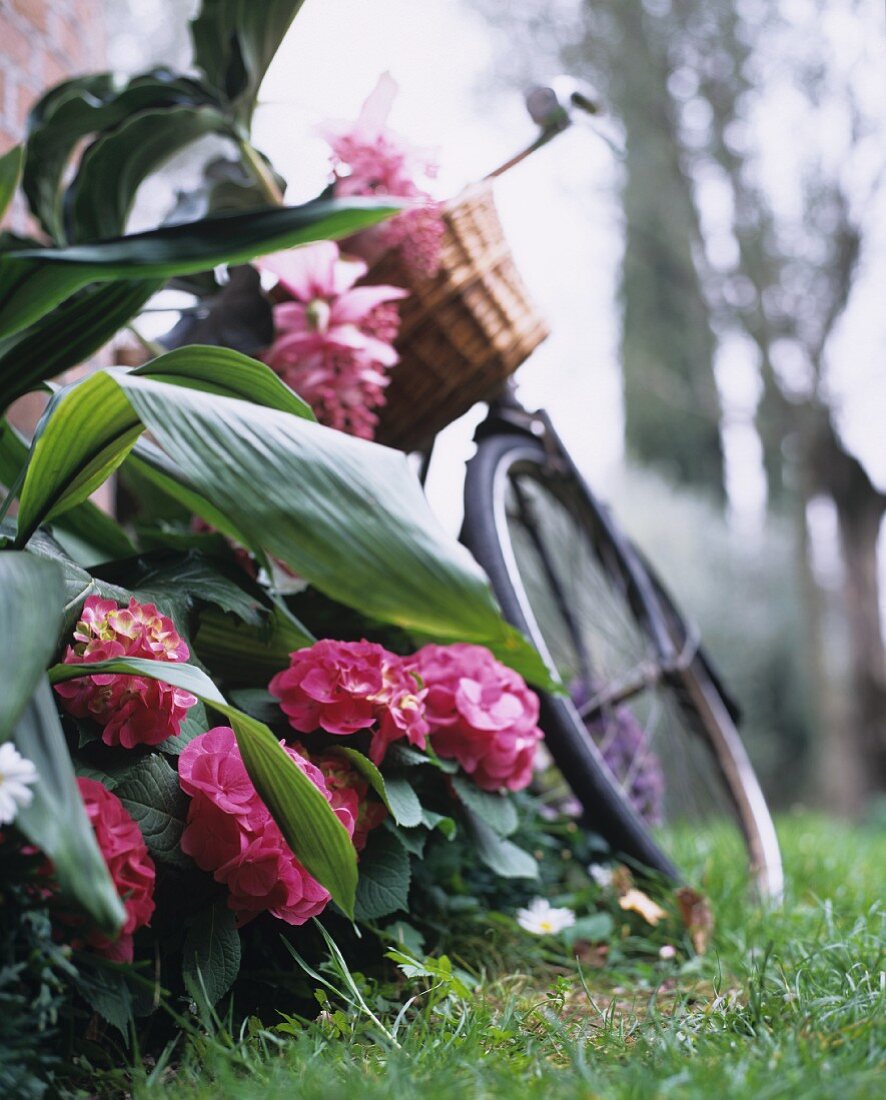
(642,733)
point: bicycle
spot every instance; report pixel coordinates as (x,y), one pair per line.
(642,730)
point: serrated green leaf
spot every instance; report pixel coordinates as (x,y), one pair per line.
(385,874)
(211,954)
(151,795)
(497,810)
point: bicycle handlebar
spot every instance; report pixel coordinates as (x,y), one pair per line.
(554,107)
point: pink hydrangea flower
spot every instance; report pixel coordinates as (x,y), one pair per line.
(334,340)
(132,869)
(131,710)
(343,687)
(481,713)
(230,832)
(349,789)
(369,158)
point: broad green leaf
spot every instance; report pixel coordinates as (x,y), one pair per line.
(152,797)
(69,334)
(115,165)
(497,810)
(89,428)
(499,855)
(234,43)
(30,620)
(56,820)
(395,791)
(107,989)
(88,105)
(35,280)
(384,877)
(311,829)
(347,515)
(10,173)
(87,523)
(211,954)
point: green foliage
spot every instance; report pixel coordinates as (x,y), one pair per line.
(789,1004)
(10,173)
(55,820)
(211,954)
(35,280)
(152,797)
(384,878)
(234,42)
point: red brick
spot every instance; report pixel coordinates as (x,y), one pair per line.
(55,69)
(7,140)
(15,47)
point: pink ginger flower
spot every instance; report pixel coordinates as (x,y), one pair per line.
(481,713)
(131,710)
(230,832)
(327,311)
(369,158)
(344,687)
(132,869)
(333,340)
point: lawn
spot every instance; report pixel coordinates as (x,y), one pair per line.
(787,1003)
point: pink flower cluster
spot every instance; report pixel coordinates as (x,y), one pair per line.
(474,709)
(132,869)
(351,791)
(333,341)
(231,833)
(481,713)
(131,710)
(369,158)
(343,687)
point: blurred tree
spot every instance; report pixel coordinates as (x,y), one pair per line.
(746,196)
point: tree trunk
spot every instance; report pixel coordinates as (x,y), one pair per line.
(859,532)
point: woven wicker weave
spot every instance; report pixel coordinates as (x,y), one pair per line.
(462,332)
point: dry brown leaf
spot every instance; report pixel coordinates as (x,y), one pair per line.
(640,903)
(697,915)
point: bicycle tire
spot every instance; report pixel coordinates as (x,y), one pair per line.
(692,687)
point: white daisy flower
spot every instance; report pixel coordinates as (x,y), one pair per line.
(16,776)
(542,919)
(667,951)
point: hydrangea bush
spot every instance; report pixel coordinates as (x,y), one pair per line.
(196,758)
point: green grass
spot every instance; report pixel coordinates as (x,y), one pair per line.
(787,1003)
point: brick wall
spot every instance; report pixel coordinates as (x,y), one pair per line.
(41,43)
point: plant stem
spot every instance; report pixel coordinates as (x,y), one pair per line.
(264,177)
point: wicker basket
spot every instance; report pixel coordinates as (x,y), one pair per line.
(462,332)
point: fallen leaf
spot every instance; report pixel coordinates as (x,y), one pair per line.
(697,915)
(640,903)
